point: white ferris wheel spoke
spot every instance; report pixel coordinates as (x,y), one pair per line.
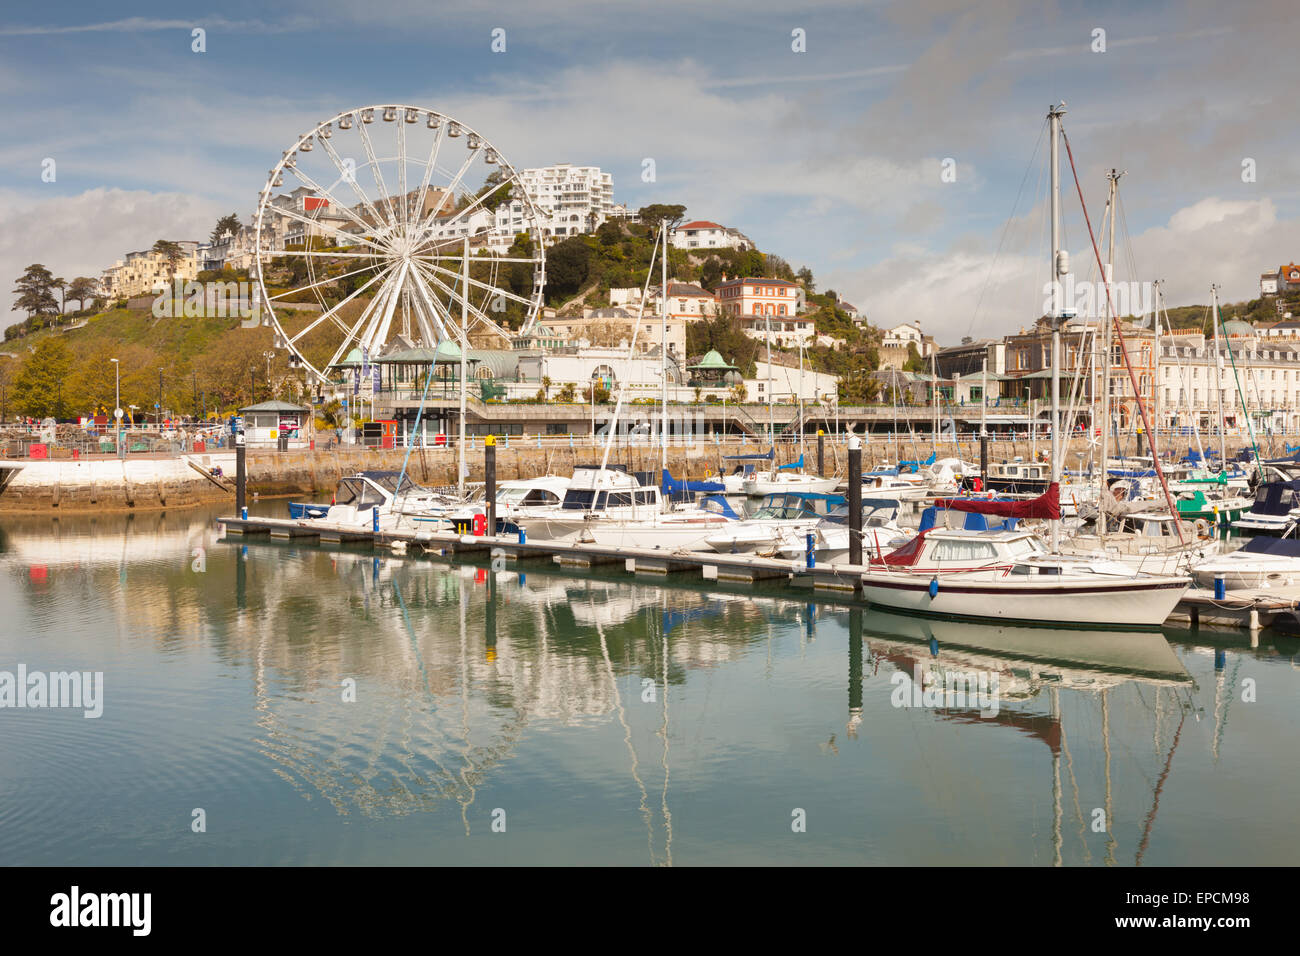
(480,317)
(320,282)
(331,313)
(377,173)
(337,233)
(329,197)
(350,176)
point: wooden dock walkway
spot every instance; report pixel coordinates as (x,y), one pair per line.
(1251,610)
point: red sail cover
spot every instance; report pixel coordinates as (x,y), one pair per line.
(1046,505)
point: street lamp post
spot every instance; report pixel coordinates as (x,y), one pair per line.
(117,406)
(160,373)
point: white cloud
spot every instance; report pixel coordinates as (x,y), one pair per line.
(81,235)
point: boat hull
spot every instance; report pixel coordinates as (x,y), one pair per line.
(1124,604)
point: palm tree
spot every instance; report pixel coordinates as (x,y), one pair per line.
(546,388)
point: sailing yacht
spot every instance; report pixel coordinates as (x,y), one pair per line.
(1009,575)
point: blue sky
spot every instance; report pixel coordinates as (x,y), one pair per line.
(831,157)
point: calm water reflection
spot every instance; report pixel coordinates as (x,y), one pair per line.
(601,719)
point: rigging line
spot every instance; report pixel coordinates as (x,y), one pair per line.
(1119,332)
(1006,227)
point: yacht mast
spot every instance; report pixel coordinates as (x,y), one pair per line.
(464,364)
(1060,267)
(1218,378)
(663,355)
(1113,178)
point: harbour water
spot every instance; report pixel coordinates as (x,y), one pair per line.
(344,706)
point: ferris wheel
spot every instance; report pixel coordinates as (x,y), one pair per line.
(390,227)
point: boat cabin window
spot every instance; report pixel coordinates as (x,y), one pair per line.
(1025,547)
(358,493)
(540,496)
(578,499)
(645,497)
(618,499)
(951,550)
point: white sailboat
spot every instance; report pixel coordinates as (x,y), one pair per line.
(1009,575)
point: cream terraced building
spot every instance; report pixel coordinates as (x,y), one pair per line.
(143,273)
(1263,372)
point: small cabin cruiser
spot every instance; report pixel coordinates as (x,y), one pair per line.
(1011,576)
(1264,562)
(515,499)
(685,528)
(393,495)
(595,494)
(1276,510)
(778,514)
(881,534)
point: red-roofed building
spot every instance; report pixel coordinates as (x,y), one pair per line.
(702,234)
(1288,278)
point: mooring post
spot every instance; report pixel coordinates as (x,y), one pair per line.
(490,482)
(821,452)
(241,475)
(855,503)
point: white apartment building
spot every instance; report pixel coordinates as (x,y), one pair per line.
(702,234)
(572,200)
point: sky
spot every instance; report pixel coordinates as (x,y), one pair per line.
(900,154)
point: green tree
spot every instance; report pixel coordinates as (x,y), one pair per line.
(39,385)
(568,264)
(61,285)
(656,213)
(333,417)
(226,224)
(914,361)
(805,276)
(35,291)
(81,289)
(171,251)
(494,193)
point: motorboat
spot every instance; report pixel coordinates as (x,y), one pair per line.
(1276,510)
(777,515)
(390,497)
(685,528)
(1264,562)
(515,499)
(596,494)
(786,478)
(881,533)
(1011,576)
